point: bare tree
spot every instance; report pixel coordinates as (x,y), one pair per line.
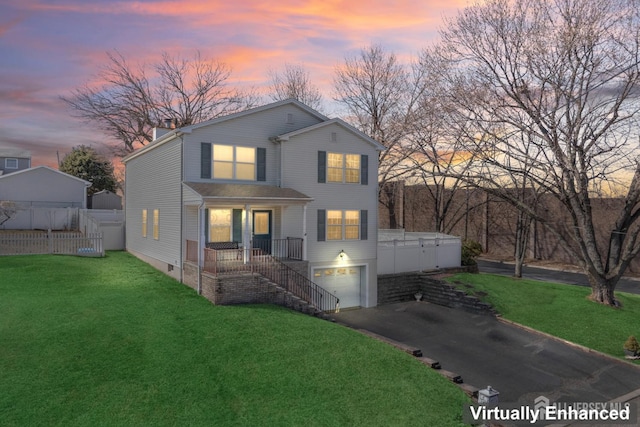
(127,101)
(379,95)
(294,82)
(440,156)
(8,210)
(562,76)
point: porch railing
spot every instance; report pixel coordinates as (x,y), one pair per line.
(256,260)
(296,283)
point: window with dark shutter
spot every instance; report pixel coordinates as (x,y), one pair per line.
(322,167)
(261,163)
(322,225)
(205,160)
(363,224)
(364,169)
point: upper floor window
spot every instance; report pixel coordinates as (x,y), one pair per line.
(11,163)
(232,162)
(343,168)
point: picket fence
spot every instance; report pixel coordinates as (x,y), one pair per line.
(51,242)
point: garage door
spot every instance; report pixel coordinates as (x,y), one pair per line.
(343,282)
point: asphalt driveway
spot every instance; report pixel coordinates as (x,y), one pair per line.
(520,364)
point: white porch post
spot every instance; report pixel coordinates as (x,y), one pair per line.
(304,233)
(246,238)
(201,243)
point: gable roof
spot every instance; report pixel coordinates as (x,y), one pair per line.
(169,136)
(31,170)
(339,122)
(15,152)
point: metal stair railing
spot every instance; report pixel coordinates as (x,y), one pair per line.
(294,282)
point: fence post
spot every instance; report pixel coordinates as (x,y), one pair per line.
(50,240)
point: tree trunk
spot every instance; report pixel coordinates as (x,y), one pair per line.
(602,290)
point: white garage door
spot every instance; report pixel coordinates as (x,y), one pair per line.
(343,282)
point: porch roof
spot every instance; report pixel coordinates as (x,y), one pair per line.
(247,193)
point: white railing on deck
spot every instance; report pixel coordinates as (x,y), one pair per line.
(400,256)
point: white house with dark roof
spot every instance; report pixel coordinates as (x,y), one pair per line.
(280,181)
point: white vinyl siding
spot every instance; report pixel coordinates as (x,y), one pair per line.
(252,130)
(154,183)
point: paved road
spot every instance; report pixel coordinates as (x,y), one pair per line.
(624,285)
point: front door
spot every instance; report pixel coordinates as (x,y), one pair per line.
(262,230)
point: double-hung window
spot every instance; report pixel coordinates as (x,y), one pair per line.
(343,168)
(233,162)
(342,225)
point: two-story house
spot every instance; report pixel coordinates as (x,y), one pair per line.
(281,179)
(13,160)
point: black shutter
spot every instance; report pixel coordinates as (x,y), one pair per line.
(205,160)
(322,225)
(322,167)
(261,163)
(364,169)
(364,222)
(237,225)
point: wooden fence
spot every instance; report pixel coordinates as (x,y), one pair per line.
(52,242)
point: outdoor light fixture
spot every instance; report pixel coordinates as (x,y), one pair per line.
(342,254)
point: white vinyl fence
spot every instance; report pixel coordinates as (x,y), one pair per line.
(417,251)
(43,242)
(108,222)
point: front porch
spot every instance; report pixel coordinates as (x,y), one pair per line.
(253,276)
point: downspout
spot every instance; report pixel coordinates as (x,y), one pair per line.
(182,227)
(200,244)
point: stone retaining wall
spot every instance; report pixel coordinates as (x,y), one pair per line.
(394,288)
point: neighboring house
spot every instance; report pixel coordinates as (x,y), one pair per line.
(12,160)
(45,198)
(270,178)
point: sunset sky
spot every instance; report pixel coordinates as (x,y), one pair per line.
(49,48)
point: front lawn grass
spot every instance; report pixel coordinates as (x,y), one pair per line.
(558,309)
(112,341)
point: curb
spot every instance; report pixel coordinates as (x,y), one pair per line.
(468,389)
(572,344)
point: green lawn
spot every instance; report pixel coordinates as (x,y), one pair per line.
(560,310)
(111,341)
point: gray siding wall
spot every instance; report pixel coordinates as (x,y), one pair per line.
(43,185)
(153,181)
(300,161)
(252,130)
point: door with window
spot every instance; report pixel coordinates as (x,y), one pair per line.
(262,231)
